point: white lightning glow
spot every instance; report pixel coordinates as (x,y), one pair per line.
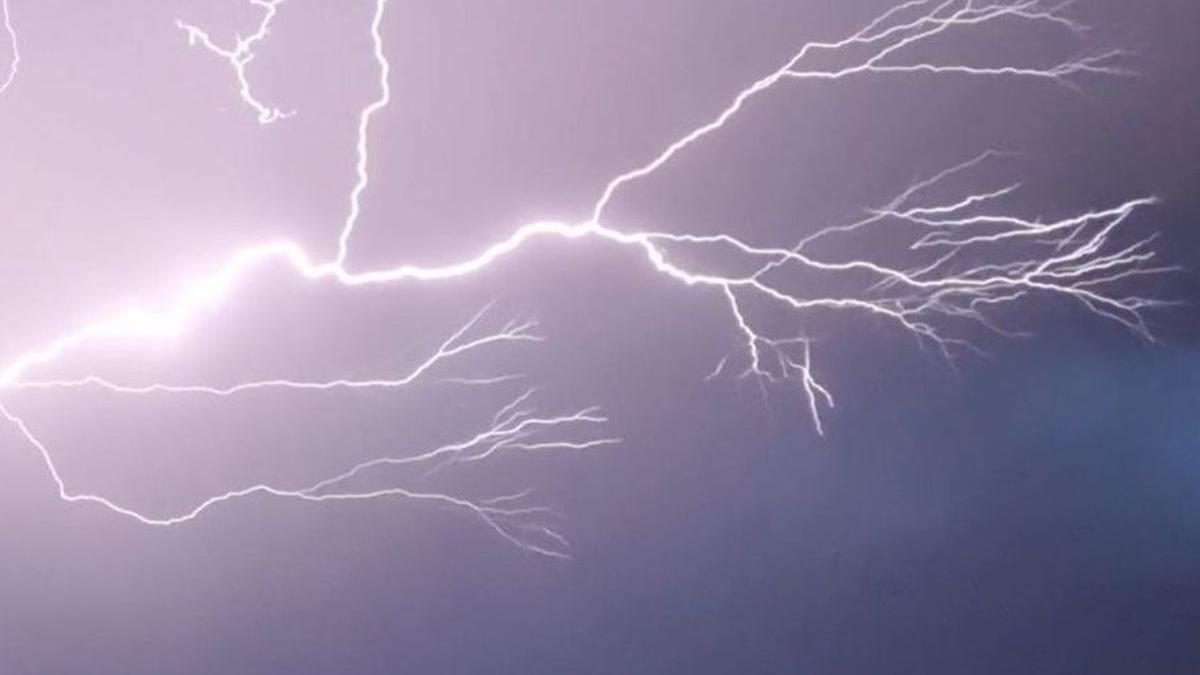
(14,48)
(974,256)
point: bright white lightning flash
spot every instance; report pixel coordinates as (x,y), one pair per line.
(975,257)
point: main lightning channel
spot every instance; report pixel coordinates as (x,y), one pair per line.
(980,256)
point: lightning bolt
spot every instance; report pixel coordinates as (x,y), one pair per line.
(15,63)
(240,55)
(968,256)
(361,176)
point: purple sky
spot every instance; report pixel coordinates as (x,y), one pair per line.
(1029,511)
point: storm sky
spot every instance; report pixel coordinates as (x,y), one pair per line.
(1034,510)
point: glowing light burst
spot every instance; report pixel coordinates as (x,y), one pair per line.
(974,257)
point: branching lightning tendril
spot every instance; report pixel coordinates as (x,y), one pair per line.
(976,256)
(240,55)
(15,62)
